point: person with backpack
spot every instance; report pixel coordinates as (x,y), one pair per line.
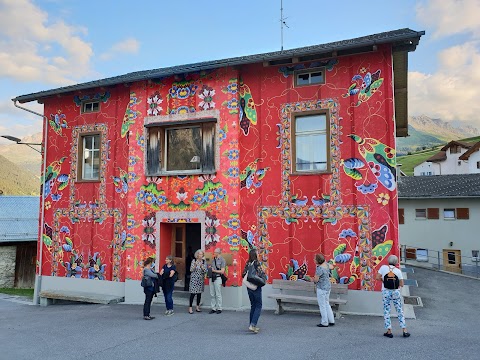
(169,275)
(254,278)
(392,281)
(148,284)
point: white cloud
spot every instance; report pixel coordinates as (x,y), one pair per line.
(27,39)
(449,17)
(127,46)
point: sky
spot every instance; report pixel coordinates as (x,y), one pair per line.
(46,44)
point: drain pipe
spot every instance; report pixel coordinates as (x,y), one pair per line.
(38,282)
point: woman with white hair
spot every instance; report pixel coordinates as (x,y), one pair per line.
(392,281)
(198,268)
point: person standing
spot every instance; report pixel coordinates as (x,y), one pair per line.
(198,268)
(255,295)
(392,281)
(322,280)
(168,273)
(149,290)
(218,269)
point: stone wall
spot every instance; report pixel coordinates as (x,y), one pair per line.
(7,266)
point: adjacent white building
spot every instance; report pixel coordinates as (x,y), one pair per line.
(439,221)
(451,160)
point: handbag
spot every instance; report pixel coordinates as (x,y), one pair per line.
(254,276)
(248,284)
(224,279)
(146,282)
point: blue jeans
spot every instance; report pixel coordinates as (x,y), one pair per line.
(148,301)
(255,297)
(168,294)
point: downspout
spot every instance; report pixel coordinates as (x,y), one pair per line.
(38,285)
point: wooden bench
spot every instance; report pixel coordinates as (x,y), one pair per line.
(288,288)
(49,297)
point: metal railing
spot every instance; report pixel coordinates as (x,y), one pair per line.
(445,260)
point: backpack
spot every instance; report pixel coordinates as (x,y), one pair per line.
(390,280)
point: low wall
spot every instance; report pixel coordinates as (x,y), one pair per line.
(8,255)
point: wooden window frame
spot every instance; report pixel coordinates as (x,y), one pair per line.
(433,213)
(155,135)
(293,142)
(462,213)
(81,154)
(454,214)
(401,216)
(418,217)
(84,103)
(309,71)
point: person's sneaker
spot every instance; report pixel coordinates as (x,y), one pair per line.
(406,334)
(251,328)
(331,324)
(212,311)
(152,317)
(219,311)
(321,325)
(166,312)
(169,313)
(389,335)
(147,318)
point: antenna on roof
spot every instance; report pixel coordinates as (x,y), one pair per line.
(282,23)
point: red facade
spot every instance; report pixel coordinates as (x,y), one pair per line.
(104,229)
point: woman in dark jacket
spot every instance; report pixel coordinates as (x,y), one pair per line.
(255,296)
(148,290)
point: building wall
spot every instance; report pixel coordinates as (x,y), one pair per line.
(452,165)
(106,229)
(425,168)
(473,160)
(436,235)
(7,266)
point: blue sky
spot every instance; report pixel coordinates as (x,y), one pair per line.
(46,44)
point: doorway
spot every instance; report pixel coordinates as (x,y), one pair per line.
(186,239)
(452,260)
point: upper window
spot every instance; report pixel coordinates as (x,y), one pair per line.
(89,167)
(310,77)
(90,106)
(311,147)
(478,164)
(420,213)
(449,213)
(181,149)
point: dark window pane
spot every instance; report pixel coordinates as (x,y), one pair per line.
(316,77)
(184,148)
(303,79)
(451,257)
(178,249)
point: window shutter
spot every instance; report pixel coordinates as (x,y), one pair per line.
(208,147)
(463,213)
(401,216)
(433,213)
(153,151)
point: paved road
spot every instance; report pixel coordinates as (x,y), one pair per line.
(446,328)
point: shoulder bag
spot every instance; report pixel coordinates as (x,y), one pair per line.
(248,284)
(255,276)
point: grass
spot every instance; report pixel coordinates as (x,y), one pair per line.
(19,292)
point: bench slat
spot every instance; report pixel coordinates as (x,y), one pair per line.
(303,299)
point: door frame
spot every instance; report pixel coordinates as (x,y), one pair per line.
(457,267)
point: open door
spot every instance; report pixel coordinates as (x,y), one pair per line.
(179,249)
(452,260)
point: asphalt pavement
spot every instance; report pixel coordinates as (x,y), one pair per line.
(447,327)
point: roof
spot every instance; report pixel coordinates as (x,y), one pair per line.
(463,144)
(19,218)
(403,40)
(439,186)
(440,156)
(473,148)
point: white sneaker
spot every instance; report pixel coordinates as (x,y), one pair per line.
(170,313)
(166,312)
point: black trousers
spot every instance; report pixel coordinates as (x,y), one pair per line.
(148,302)
(199,297)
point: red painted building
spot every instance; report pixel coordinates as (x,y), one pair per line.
(290,152)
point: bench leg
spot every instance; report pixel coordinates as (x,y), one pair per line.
(279,310)
(46,301)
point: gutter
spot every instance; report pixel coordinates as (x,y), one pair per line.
(38,285)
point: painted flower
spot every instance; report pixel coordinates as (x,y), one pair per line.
(233,172)
(150,198)
(211,196)
(161,199)
(154,179)
(222,135)
(173,91)
(132,160)
(221,193)
(234,240)
(390,152)
(141,140)
(182,194)
(74,267)
(148,235)
(383,198)
(367,188)
(347,233)
(233,154)
(132,177)
(96,269)
(198,199)
(232,104)
(130,223)
(154,102)
(234,224)
(65,230)
(48,205)
(141,195)
(183,92)
(206,177)
(211,223)
(232,88)
(206,95)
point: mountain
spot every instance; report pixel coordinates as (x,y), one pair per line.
(416,141)
(16,181)
(24,156)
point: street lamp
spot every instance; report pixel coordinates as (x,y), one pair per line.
(19,141)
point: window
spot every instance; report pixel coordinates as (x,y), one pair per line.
(455,149)
(459,163)
(89,167)
(311,147)
(422,174)
(310,77)
(401,216)
(475,253)
(429,173)
(420,213)
(433,213)
(463,213)
(90,106)
(449,214)
(184,148)
(451,258)
(478,164)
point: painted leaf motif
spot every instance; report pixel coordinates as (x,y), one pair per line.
(335,274)
(382,249)
(62,185)
(47,240)
(353,163)
(342,258)
(353,173)
(68,241)
(376,84)
(340,249)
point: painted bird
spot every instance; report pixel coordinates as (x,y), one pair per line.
(380,158)
(248,112)
(57,122)
(121,182)
(47,181)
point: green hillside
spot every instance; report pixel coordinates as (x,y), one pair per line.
(17,181)
(411,142)
(410,161)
